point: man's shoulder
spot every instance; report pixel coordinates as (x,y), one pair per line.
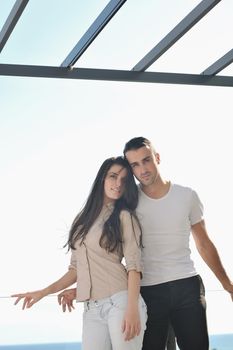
(183,191)
(182,188)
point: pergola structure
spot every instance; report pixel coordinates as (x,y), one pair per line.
(209,77)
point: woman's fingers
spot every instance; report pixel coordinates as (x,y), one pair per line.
(130,330)
(18,296)
(66,303)
(65,299)
(29,299)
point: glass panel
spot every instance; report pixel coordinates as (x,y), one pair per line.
(48,30)
(205,43)
(43,323)
(48,327)
(134,31)
(227,71)
(55,134)
(5,8)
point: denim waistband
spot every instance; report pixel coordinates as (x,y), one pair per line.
(91,304)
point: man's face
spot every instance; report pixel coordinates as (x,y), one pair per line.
(144,163)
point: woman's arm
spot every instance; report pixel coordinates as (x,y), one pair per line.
(31,298)
(132,253)
(131,325)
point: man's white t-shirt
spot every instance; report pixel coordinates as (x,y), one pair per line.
(166,226)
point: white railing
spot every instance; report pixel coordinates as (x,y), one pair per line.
(46,323)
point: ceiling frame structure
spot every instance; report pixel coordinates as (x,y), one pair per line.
(11,21)
(138,73)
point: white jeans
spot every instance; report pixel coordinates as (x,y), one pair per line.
(102,320)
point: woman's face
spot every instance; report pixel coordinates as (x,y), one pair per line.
(114,183)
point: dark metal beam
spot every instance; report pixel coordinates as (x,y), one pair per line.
(113,75)
(175,34)
(220,64)
(97,26)
(11,21)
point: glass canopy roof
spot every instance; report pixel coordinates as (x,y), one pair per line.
(178,42)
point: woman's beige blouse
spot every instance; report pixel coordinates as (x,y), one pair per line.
(101,274)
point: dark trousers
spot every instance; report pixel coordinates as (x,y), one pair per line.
(180,303)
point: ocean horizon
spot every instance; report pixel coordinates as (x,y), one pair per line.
(43,346)
(217,342)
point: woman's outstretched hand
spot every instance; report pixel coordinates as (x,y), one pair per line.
(30,298)
(66,298)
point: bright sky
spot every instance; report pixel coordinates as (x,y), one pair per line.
(55,134)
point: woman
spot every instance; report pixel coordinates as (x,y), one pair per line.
(103,233)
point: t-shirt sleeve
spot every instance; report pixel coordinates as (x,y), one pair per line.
(196,210)
(131,242)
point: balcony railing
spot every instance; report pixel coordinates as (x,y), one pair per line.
(45,323)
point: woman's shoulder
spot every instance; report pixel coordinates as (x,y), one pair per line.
(125,214)
(127,217)
(131,229)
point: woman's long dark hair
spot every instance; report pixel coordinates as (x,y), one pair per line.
(111,237)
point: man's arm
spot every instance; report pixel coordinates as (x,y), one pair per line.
(210,255)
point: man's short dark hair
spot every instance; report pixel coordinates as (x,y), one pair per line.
(136,143)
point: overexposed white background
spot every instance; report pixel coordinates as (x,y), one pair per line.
(55,134)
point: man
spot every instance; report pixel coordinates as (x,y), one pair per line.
(171,287)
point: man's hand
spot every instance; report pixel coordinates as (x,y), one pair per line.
(229,288)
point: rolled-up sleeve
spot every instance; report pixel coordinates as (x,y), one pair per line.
(131,242)
(73,260)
